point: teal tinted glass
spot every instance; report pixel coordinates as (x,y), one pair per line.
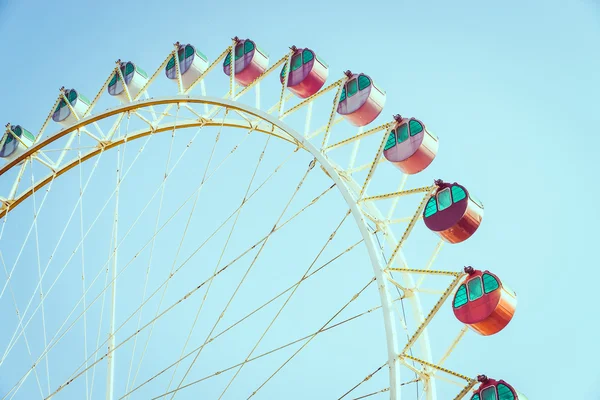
(201,55)
(489,393)
(444,200)
(282,74)
(239,51)
(129,68)
(72,96)
(189,51)
(415,127)
(343,96)
(323,63)
(489,283)
(460,299)
(141,72)
(27,134)
(352,88)
(296,62)
(431,207)
(60,105)
(402,133)
(84,99)
(504,392)
(227,60)
(113,81)
(391,140)
(363,82)
(475,397)
(458,194)
(248,46)
(307,56)
(171,63)
(475,291)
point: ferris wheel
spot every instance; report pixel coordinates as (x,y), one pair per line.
(267,243)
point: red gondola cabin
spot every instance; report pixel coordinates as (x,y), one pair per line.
(483,303)
(307,75)
(250,62)
(452,212)
(410,146)
(361,100)
(491,389)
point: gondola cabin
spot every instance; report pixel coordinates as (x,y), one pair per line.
(78,102)
(308,73)
(452,212)
(491,389)
(483,303)
(135,79)
(250,62)
(192,64)
(15,141)
(361,100)
(410,146)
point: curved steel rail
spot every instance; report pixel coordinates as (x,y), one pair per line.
(343,186)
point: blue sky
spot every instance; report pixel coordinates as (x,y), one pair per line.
(511,89)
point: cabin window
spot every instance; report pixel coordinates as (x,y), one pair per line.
(444,200)
(28,134)
(363,82)
(9,138)
(460,299)
(283,71)
(171,63)
(60,105)
(189,51)
(20,132)
(141,72)
(415,127)
(296,62)
(201,55)
(504,392)
(489,393)
(458,194)
(84,99)
(476,200)
(114,79)
(261,51)
(402,133)
(129,68)
(239,51)
(475,291)
(248,46)
(489,283)
(307,56)
(343,96)
(431,207)
(227,60)
(323,63)
(72,96)
(379,90)
(391,141)
(352,88)
(475,397)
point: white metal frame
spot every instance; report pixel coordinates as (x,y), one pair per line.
(361,205)
(350,198)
